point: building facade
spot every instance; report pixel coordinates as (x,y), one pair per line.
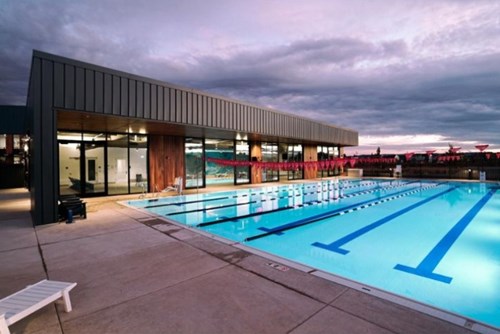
(96,131)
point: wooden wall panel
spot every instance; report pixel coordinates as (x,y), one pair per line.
(310,154)
(166,160)
(256,173)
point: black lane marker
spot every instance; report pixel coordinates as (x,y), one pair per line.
(254,194)
(234,219)
(328,214)
(187,202)
(208,209)
(228,219)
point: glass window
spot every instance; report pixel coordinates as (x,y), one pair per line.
(295,155)
(69,168)
(193,159)
(138,163)
(94,136)
(219,149)
(327,153)
(61,135)
(270,154)
(102,163)
(242,154)
(118,165)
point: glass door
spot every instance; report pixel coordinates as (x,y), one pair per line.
(69,168)
(94,169)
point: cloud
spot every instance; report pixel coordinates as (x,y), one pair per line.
(427,69)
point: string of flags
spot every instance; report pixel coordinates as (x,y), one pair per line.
(295,165)
(327,164)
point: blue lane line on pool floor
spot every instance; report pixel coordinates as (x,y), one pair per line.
(337,212)
(430,262)
(336,245)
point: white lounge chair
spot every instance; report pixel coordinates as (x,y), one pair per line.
(177,186)
(32,298)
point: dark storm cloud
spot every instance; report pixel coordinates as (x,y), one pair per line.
(445,80)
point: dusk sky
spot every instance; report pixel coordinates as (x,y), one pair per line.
(407,75)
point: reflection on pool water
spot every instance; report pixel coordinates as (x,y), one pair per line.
(437,243)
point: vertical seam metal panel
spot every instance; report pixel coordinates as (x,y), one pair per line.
(79,88)
(132,103)
(154,100)
(99,92)
(147,100)
(140,99)
(124,97)
(116,95)
(89,90)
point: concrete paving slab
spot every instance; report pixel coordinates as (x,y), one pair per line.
(105,222)
(228,300)
(315,287)
(43,321)
(218,249)
(17,233)
(87,250)
(111,281)
(183,234)
(19,268)
(166,228)
(396,318)
(332,320)
(133,213)
(14,204)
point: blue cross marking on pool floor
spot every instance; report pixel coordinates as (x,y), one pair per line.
(430,262)
(336,245)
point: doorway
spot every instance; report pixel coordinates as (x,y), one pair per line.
(77,159)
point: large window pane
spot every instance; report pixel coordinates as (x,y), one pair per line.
(193,158)
(219,149)
(138,163)
(242,154)
(95,174)
(118,164)
(270,154)
(295,155)
(69,168)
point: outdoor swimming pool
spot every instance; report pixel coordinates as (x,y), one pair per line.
(436,243)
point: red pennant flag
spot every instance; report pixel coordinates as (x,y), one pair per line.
(482,147)
(488,156)
(408,156)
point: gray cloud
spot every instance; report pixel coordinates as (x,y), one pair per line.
(441,81)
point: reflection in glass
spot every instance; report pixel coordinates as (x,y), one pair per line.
(138,164)
(242,154)
(294,154)
(219,149)
(94,168)
(269,154)
(69,168)
(327,153)
(118,164)
(193,157)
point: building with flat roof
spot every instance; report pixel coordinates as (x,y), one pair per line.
(95,131)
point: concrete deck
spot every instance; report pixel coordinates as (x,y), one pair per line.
(138,274)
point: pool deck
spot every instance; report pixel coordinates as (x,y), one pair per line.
(139,274)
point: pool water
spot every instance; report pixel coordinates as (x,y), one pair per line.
(437,243)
